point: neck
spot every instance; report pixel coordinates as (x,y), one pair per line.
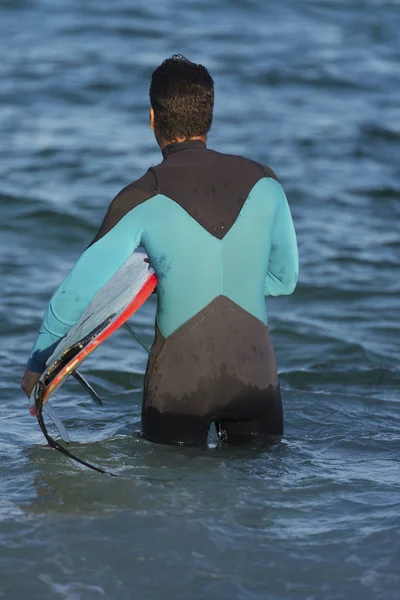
(163,142)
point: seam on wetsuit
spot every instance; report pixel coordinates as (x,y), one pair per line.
(248,317)
(195,324)
(59,319)
(157,186)
(221,270)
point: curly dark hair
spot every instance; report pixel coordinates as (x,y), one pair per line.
(182,97)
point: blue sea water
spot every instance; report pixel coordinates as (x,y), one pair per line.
(312,88)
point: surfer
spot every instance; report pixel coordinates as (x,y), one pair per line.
(219,234)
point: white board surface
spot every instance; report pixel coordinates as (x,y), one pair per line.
(113,297)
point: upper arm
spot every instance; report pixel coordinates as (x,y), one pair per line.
(95,267)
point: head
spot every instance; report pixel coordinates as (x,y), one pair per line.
(182,101)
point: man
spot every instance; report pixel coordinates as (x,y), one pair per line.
(219,234)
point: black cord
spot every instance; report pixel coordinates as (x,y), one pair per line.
(39,414)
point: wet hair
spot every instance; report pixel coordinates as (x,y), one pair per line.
(182,97)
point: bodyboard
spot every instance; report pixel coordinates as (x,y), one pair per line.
(111,307)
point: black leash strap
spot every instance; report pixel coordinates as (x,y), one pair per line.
(39,413)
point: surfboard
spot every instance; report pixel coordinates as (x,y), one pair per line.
(111,307)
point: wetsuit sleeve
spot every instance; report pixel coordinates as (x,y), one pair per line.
(283,266)
(116,240)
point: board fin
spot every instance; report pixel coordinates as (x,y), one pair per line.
(76,375)
(57,422)
(136,337)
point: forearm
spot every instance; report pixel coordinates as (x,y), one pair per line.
(51,331)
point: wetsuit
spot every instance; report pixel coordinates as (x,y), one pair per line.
(220,236)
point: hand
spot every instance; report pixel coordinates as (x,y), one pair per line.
(29,380)
(147,260)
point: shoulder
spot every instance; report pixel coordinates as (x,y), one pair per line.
(126,200)
(134,193)
(248,166)
(264,169)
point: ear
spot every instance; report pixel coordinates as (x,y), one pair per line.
(152,119)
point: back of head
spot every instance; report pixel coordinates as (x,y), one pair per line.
(182,97)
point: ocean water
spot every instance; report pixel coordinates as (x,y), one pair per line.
(312,88)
